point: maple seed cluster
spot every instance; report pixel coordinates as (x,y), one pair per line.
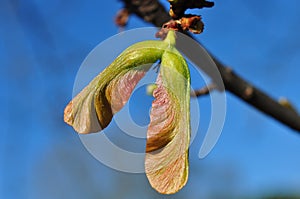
(168,134)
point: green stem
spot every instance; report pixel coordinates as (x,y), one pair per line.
(171,38)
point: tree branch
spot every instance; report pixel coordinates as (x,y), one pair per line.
(152,11)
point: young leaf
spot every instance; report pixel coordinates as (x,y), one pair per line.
(93,108)
(166,161)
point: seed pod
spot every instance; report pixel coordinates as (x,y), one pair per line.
(168,136)
(93,108)
(166,160)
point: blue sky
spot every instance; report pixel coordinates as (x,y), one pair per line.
(42,46)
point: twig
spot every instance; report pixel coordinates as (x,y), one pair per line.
(233,82)
(204,91)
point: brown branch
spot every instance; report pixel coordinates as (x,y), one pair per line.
(149,10)
(204,91)
(157,15)
(258,98)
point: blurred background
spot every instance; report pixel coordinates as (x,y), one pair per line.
(43,44)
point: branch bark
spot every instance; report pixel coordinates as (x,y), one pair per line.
(152,11)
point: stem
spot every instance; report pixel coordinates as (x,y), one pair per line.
(171,38)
